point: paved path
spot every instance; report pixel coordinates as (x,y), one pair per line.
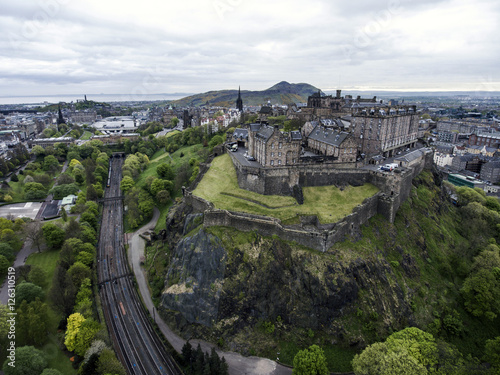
(238,364)
(21,256)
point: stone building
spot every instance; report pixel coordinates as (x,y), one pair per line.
(272,148)
(330,142)
(385,130)
(491,172)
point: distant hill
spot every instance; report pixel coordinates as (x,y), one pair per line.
(281,93)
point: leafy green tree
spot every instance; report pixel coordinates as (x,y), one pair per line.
(162,197)
(38,150)
(73,327)
(481,293)
(379,359)
(54,235)
(33,322)
(492,352)
(310,361)
(156,186)
(85,336)
(28,292)
(165,171)
(50,164)
(108,364)
(38,276)
(6,250)
(4,265)
(90,218)
(216,140)
(29,361)
(79,272)
(126,184)
(34,190)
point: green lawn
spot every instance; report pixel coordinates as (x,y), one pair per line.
(86,135)
(330,204)
(47,260)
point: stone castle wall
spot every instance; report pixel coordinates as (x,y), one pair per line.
(394,188)
(319,238)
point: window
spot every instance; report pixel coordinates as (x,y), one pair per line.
(272,154)
(280,145)
(279,162)
(279,153)
(272,145)
(272,162)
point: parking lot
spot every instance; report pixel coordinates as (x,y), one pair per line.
(28,209)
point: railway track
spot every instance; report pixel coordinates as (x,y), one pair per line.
(135,342)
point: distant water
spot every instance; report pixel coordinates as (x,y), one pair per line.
(44,99)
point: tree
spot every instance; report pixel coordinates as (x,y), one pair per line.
(29,361)
(492,352)
(162,197)
(85,336)
(187,352)
(50,163)
(74,323)
(4,265)
(64,215)
(379,359)
(108,364)
(79,272)
(28,292)
(216,140)
(34,190)
(6,250)
(38,276)
(481,293)
(33,232)
(54,236)
(165,171)
(38,150)
(410,351)
(310,361)
(33,322)
(126,184)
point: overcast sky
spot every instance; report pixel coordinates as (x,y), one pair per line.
(190,46)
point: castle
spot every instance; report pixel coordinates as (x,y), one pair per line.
(325,153)
(361,131)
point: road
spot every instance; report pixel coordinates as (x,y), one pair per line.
(136,344)
(238,364)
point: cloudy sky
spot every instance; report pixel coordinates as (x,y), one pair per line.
(153,46)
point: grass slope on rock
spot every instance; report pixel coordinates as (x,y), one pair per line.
(329,203)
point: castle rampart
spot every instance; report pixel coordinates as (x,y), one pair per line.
(394,188)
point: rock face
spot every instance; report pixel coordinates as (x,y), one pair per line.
(230,281)
(195,277)
(305,289)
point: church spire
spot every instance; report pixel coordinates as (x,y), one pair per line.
(239,101)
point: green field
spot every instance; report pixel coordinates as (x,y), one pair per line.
(86,135)
(329,203)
